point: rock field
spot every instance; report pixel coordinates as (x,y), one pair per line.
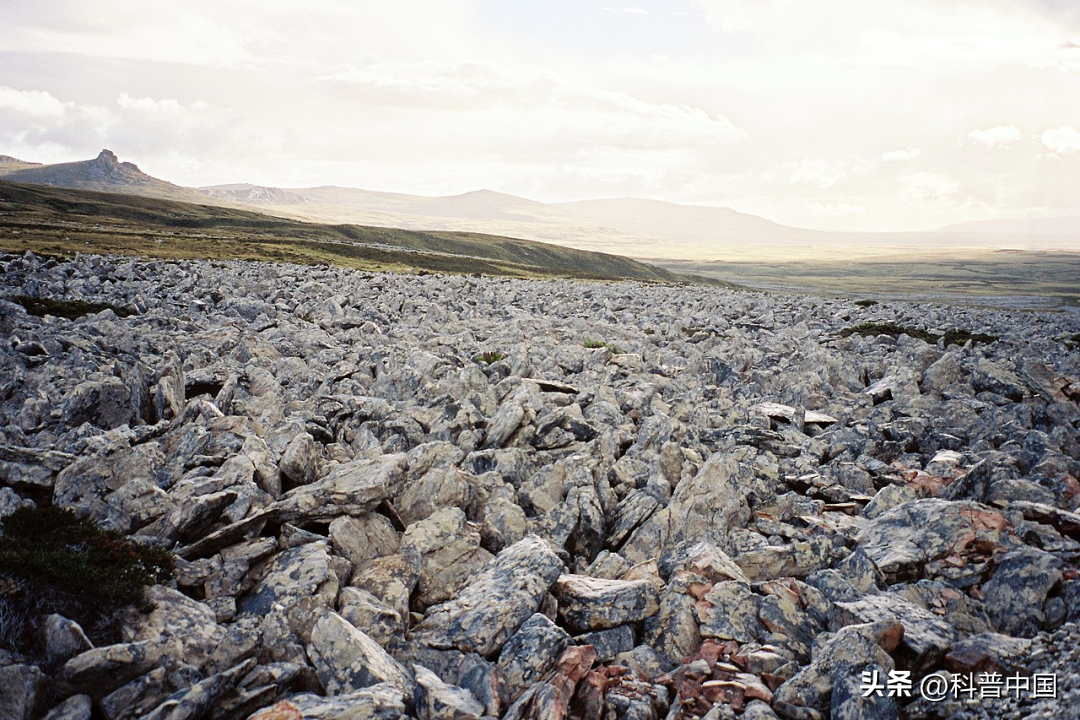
(728,511)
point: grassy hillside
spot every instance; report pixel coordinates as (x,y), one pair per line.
(63,221)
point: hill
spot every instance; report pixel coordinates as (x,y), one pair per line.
(63,221)
(105,173)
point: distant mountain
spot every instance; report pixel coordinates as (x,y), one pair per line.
(9,165)
(696,223)
(105,173)
(1068,225)
(630,227)
(253,194)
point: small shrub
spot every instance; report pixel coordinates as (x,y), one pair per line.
(70,309)
(306,317)
(866,303)
(960,337)
(594,344)
(951,337)
(53,561)
(490,356)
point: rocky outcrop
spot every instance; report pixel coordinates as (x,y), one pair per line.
(738,514)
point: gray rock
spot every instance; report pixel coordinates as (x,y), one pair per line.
(76,707)
(1016,592)
(436,700)
(22,689)
(64,639)
(587,603)
(529,655)
(491,608)
(347,659)
(300,460)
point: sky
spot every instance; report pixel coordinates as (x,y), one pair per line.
(830,114)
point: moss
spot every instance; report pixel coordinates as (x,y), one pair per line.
(951,337)
(70,309)
(594,344)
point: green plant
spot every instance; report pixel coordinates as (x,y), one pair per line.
(594,344)
(866,303)
(70,309)
(951,337)
(490,356)
(306,317)
(52,549)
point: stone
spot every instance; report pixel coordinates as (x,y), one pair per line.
(529,655)
(450,553)
(98,671)
(198,700)
(1015,594)
(300,460)
(363,538)
(378,702)
(182,628)
(587,603)
(347,659)
(22,689)
(491,608)
(76,707)
(64,639)
(729,611)
(353,488)
(926,636)
(902,541)
(436,700)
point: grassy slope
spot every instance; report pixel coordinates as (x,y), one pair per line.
(61,221)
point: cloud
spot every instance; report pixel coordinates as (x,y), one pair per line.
(627,10)
(999,136)
(834,209)
(901,155)
(535,103)
(825,174)
(167,105)
(929,187)
(31,102)
(1061,140)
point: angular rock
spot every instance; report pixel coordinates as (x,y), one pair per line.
(1014,595)
(491,608)
(347,659)
(528,655)
(587,603)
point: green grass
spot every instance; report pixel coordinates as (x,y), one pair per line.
(70,309)
(490,356)
(950,337)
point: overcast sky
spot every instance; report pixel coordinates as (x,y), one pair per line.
(836,114)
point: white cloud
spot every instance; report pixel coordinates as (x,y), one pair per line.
(629,10)
(1061,140)
(929,187)
(834,209)
(167,105)
(824,174)
(30,102)
(999,136)
(901,155)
